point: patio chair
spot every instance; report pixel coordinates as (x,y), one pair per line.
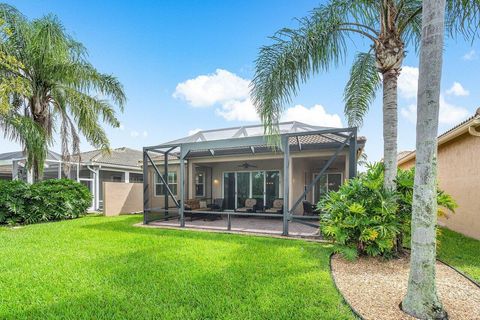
(217,205)
(193,205)
(309,209)
(277,207)
(249,206)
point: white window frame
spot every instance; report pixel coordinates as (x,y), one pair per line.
(327,173)
(280,191)
(203,184)
(157,183)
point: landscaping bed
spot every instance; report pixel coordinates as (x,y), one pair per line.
(374,288)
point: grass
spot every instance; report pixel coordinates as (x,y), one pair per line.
(104,268)
(461,252)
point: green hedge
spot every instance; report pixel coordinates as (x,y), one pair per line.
(50,200)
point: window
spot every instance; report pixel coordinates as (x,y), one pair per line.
(172,183)
(117,178)
(200,184)
(136,177)
(328,182)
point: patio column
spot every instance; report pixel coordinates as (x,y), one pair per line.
(182,191)
(145,186)
(165,169)
(15,170)
(352,158)
(286,184)
(127,176)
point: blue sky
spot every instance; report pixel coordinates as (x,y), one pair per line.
(185,65)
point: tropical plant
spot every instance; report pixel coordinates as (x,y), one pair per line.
(49,200)
(421,300)
(321,42)
(66,94)
(364,218)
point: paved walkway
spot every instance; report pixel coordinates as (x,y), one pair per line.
(263,225)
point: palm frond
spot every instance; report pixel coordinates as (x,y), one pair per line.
(296,54)
(361,87)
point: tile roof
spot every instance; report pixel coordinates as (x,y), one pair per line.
(119,156)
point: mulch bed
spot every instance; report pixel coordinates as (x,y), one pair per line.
(374,288)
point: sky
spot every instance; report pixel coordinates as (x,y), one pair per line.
(186,66)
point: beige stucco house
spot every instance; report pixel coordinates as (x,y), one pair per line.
(459,174)
(236,164)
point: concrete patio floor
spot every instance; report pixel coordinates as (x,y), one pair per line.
(273,226)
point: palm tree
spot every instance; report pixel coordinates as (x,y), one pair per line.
(422,300)
(66,94)
(320,42)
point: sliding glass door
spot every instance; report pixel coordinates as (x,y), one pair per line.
(327,182)
(241,185)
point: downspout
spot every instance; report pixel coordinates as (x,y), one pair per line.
(95,187)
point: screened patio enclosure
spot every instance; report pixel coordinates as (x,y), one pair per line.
(232,179)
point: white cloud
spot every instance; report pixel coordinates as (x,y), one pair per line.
(408,82)
(470,55)
(192,132)
(457,90)
(208,90)
(121,127)
(134,133)
(316,115)
(241,110)
(145,134)
(449,113)
(231,94)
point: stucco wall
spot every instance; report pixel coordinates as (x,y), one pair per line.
(122,198)
(459,175)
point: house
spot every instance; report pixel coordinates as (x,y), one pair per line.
(237,169)
(91,168)
(459,174)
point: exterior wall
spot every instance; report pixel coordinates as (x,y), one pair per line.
(302,167)
(407,164)
(159,201)
(122,198)
(459,176)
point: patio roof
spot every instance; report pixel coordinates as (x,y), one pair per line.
(252,139)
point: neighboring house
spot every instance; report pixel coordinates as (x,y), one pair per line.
(236,164)
(459,174)
(91,168)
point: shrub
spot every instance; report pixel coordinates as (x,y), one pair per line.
(365,219)
(48,200)
(14,196)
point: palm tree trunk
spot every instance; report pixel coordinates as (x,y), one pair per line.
(390,79)
(422,300)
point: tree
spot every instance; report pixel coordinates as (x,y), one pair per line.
(422,300)
(66,94)
(320,42)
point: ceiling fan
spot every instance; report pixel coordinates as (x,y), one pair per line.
(246,165)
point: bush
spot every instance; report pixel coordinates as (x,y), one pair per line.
(365,219)
(48,200)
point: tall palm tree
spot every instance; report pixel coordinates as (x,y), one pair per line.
(422,300)
(66,94)
(321,41)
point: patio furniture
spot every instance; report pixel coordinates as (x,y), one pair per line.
(193,205)
(277,207)
(309,209)
(249,206)
(217,205)
(259,207)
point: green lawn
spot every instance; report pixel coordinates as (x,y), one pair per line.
(461,252)
(104,268)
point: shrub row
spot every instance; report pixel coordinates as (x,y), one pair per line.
(365,219)
(49,200)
